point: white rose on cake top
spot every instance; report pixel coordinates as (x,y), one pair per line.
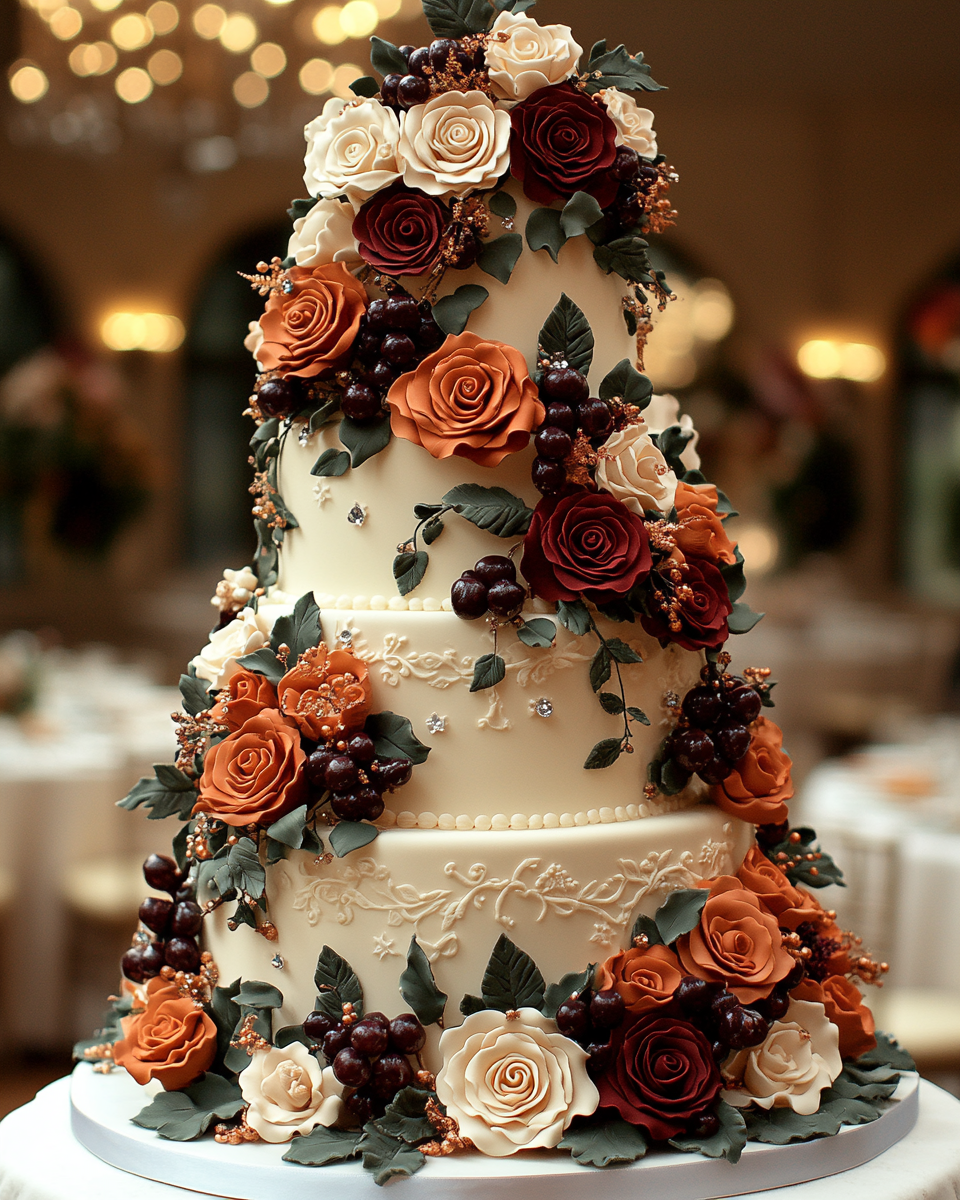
(455,143)
(217,661)
(635,124)
(324,235)
(633,469)
(352,150)
(289,1093)
(664,411)
(798,1059)
(523,57)
(254,340)
(512,1081)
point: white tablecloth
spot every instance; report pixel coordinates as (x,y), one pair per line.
(900,853)
(40,1160)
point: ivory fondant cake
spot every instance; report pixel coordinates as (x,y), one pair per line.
(483,844)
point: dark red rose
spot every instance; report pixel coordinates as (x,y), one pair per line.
(588,543)
(563,142)
(662,1075)
(399,231)
(700,607)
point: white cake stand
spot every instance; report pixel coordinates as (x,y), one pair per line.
(101,1107)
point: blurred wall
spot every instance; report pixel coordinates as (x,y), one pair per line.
(818,145)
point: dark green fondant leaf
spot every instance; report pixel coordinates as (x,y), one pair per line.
(626,382)
(572,984)
(622,652)
(579,213)
(637,714)
(537,632)
(574,616)
(728,1142)
(393,737)
(386,58)
(452,313)
(645,926)
(455,18)
(366,439)
(743,618)
(432,530)
(626,257)
(185,1115)
(620,69)
(488,671)
(386,1157)
(406,1119)
(566,332)
(331,463)
(170,793)
(734,578)
(491,508)
(470,1005)
(264,662)
(196,698)
(611,703)
(366,85)
(887,1052)
(680,912)
(255,994)
(511,980)
(300,631)
(799,872)
(600,1145)
(499,256)
(347,836)
(226,1017)
(289,829)
(290,1034)
(543,232)
(502,204)
(419,988)
(337,984)
(780,1126)
(323,1146)
(409,570)
(673,778)
(423,511)
(600,668)
(299,209)
(604,754)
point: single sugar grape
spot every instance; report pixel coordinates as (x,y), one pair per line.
(418,61)
(743,703)
(607,1009)
(440,50)
(369,1038)
(316,1025)
(573,1018)
(183,954)
(562,416)
(132,964)
(694,995)
(335,1040)
(278,397)
(548,475)
(382,374)
(377,316)
(391,1072)
(723,1001)
(741,1027)
(152,960)
(775,1006)
(692,748)
(732,740)
(412,89)
(398,349)
(388,89)
(352,1068)
(494,568)
(595,417)
(395,772)
(706,1125)
(360,402)
(407,1034)
(468,595)
(162,873)
(348,806)
(403,312)
(369,803)
(362,1106)
(599,1058)
(626,164)
(703,706)
(186,919)
(315,767)
(361,748)
(553,442)
(341,773)
(155,913)
(715,771)
(565,384)
(505,599)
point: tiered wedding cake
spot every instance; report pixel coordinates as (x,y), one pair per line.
(466,752)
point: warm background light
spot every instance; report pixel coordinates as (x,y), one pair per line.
(759,546)
(268,60)
(142,331)
(106,5)
(239,33)
(358,18)
(250,90)
(163,16)
(316,75)
(133,85)
(327,27)
(208,20)
(28,84)
(66,23)
(343,76)
(165,67)
(96,59)
(823,358)
(131,32)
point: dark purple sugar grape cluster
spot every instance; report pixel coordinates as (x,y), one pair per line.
(490,587)
(719,1015)
(636,180)
(175,923)
(368,1055)
(570,411)
(589,1018)
(356,776)
(413,87)
(395,334)
(282,396)
(714,734)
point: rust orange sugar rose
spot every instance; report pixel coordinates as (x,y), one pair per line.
(759,786)
(472,398)
(309,331)
(645,978)
(790,905)
(700,532)
(845,1007)
(327,692)
(172,1040)
(246,695)
(735,942)
(254,775)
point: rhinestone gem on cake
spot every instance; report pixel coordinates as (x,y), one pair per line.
(543,707)
(357,515)
(277,961)
(436,723)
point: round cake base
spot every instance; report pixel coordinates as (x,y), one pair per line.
(101,1108)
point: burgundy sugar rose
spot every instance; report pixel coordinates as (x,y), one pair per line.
(662,1075)
(587,542)
(399,231)
(702,608)
(563,142)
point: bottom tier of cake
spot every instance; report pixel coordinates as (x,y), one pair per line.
(567,897)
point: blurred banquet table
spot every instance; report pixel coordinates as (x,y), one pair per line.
(96,727)
(890,816)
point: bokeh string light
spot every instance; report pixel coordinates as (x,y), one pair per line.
(86,62)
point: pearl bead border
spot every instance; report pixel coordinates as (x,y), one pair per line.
(328,601)
(500,822)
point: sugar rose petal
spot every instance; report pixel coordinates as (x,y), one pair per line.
(288,1093)
(758,788)
(634,124)
(454,144)
(352,149)
(844,1004)
(172,1040)
(217,662)
(472,398)
(700,532)
(324,235)
(523,57)
(645,978)
(310,330)
(246,695)
(326,692)
(632,468)
(255,774)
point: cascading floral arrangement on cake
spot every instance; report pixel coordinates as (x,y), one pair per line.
(702,994)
